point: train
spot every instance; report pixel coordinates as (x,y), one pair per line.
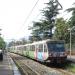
(45,50)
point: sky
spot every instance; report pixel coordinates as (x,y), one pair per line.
(13,14)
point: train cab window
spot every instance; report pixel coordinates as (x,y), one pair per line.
(41,48)
(45,48)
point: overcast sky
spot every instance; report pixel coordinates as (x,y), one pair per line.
(13,14)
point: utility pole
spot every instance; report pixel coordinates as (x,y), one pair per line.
(70,42)
(70,29)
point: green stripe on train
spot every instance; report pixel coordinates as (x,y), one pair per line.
(29,54)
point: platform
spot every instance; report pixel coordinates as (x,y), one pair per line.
(7,66)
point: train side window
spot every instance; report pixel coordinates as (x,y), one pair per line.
(17,48)
(28,47)
(25,48)
(37,47)
(33,47)
(45,48)
(41,48)
(21,48)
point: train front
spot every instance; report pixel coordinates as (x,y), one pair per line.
(56,51)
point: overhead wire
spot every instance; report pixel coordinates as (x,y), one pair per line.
(26,19)
(30,12)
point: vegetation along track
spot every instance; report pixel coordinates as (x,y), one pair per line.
(67,68)
(30,67)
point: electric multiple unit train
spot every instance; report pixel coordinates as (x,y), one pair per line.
(52,50)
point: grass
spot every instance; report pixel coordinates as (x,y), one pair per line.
(70,67)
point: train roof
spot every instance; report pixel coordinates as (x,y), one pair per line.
(40,42)
(49,40)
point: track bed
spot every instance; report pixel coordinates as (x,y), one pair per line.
(30,67)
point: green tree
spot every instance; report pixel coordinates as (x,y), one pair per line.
(43,29)
(23,41)
(40,29)
(72,21)
(61,31)
(12,43)
(2,44)
(18,42)
(36,30)
(50,13)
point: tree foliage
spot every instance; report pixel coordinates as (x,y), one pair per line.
(61,31)
(43,29)
(50,13)
(40,30)
(18,42)
(72,21)
(2,44)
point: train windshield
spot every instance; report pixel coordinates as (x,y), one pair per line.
(55,46)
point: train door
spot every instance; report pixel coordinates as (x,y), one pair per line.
(45,52)
(36,51)
(40,52)
(24,50)
(27,50)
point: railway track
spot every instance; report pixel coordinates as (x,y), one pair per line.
(30,67)
(25,69)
